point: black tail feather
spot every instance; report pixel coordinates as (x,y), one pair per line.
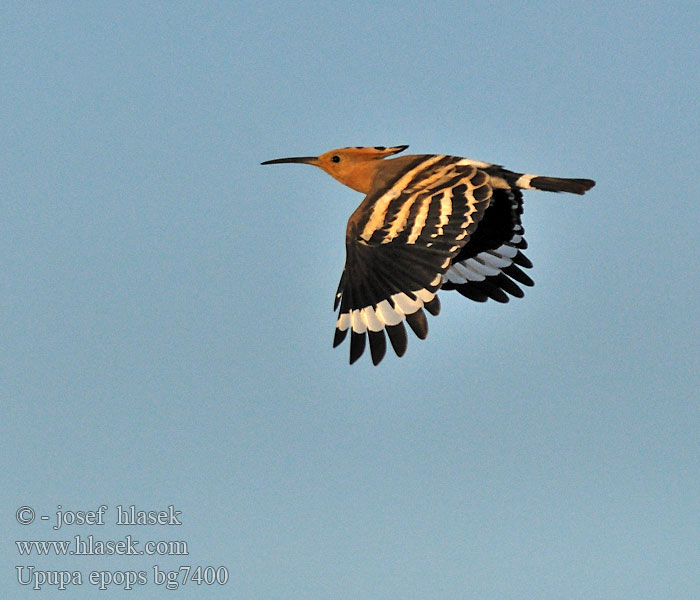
(556,184)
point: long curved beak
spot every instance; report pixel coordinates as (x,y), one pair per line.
(307,160)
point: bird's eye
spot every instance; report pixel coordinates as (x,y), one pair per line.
(335,158)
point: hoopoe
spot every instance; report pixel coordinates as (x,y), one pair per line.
(427,222)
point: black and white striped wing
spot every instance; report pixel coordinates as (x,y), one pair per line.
(400,242)
(489,264)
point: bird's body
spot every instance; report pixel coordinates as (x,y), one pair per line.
(427,222)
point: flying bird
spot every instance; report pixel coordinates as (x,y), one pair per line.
(427,222)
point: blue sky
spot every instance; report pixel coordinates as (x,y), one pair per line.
(166,301)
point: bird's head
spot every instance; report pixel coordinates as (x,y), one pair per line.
(354,167)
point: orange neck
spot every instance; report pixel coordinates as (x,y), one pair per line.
(358,176)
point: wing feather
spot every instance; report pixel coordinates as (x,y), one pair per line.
(400,242)
(488,266)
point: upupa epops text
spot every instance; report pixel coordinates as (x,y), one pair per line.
(427,222)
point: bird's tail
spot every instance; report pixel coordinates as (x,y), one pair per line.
(554,184)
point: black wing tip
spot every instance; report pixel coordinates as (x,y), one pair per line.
(377,346)
(433,307)
(339,336)
(516,273)
(398,338)
(377,340)
(523,261)
(499,287)
(357,345)
(418,323)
